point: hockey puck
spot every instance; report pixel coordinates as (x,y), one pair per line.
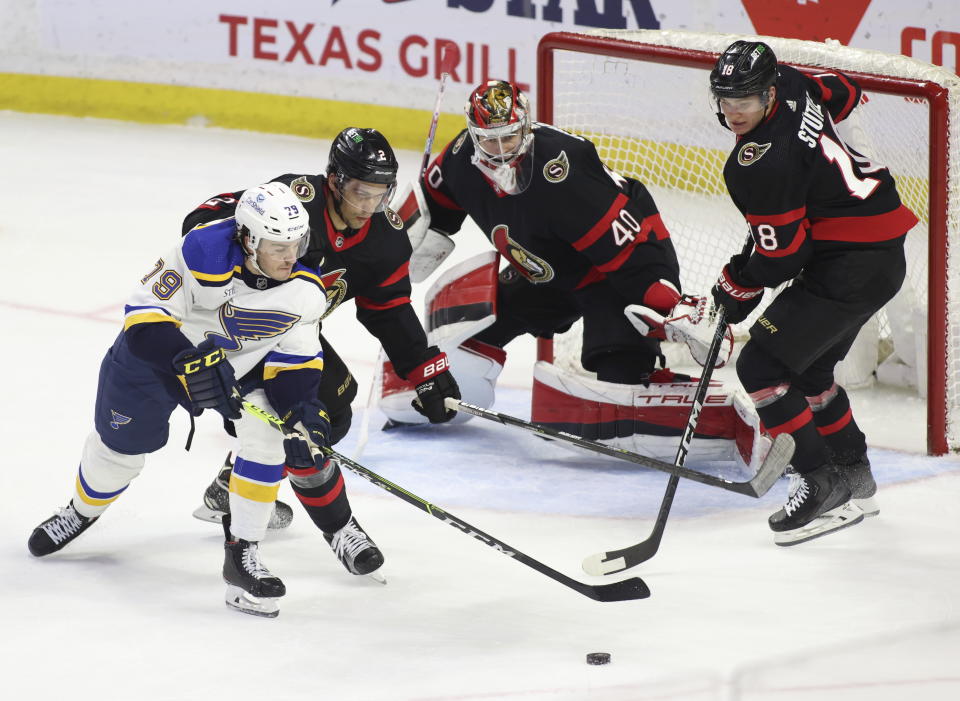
(598,658)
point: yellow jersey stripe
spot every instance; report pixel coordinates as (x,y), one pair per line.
(271,371)
(149,318)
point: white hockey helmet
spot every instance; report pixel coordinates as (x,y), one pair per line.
(271,212)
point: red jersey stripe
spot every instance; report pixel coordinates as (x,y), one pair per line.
(397,275)
(879,227)
(601,226)
(367,303)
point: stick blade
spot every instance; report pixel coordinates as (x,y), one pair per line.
(625,590)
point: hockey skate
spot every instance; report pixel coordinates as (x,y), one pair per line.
(354,548)
(58,530)
(251,587)
(863,488)
(216,501)
(818,503)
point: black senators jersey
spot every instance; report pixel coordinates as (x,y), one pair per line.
(369,266)
(576,222)
(803,191)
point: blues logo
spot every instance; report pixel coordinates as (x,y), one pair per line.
(250,325)
(117,420)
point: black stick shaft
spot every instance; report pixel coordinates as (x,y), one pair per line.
(625,590)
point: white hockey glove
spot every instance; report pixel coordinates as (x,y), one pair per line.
(689,322)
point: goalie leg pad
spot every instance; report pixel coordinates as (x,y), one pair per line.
(476,367)
(459,305)
(647,420)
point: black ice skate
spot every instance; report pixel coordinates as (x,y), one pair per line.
(216,502)
(358,553)
(251,587)
(818,503)
(58,530)
(855,471)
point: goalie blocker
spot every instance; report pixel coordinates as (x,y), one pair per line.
(647,420)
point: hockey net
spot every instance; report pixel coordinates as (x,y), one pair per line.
(643,98)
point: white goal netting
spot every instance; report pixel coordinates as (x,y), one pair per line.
(643,98)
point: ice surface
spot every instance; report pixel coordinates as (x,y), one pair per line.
(133,609)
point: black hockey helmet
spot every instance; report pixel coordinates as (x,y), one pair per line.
(362,154)
(744,68)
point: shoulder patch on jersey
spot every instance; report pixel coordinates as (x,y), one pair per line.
(751,152)
(395,221)
(459,142)
(557,169)
(303,189)
(792,104)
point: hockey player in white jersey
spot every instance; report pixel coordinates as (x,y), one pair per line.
(228,311)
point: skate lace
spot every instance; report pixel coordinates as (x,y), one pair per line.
(349,541)
(797,494)
(66,524)
(252,564)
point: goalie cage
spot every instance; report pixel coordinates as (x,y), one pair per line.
(595,85)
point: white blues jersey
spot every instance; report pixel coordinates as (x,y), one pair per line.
(203,288)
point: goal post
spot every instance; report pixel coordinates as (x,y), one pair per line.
(643,98)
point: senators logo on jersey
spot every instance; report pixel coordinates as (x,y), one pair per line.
(532,267)
(250,325)
(336,287)
(751,152)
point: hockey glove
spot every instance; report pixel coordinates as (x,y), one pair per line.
(311,419)
(434,384)
(689,322)
(736,296)
(208,379)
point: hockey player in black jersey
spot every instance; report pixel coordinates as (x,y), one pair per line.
(580,239)
(363,251)
(826,218)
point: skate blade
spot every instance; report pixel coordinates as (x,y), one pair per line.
(377,577)
(843,516)
(204,513)
(868,506)
(245,602)
(277,521)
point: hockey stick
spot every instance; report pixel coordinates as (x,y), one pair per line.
(624,590)
(436,116)
(781,452)
(769,472)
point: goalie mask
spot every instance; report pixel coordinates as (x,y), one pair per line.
(273,227)
(500,126)
(363,170)
(741,79)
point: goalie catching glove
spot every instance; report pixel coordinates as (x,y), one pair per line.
(312,420)
(434,384)
(738,297)
(208,379)
(688,322)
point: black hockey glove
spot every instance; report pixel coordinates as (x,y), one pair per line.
(434,384)
(737,297)
(311,419)
(208,379)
